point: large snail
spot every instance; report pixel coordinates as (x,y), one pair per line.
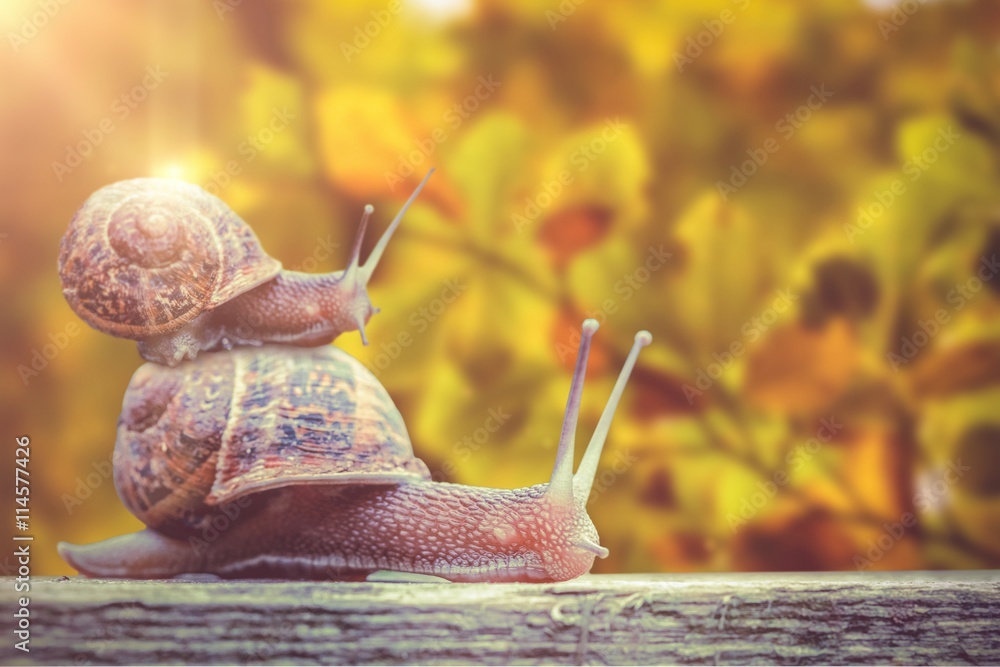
(167,264)
(294,463)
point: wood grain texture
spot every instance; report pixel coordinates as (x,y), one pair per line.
(835,618)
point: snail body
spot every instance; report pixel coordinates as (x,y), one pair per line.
(171,266)
(301,455)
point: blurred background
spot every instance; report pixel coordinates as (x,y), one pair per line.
(799,201)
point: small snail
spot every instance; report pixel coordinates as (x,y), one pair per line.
(167,264)
(309,450)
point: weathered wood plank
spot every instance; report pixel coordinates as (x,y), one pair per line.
(911,618)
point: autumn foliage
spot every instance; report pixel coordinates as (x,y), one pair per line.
(798,200)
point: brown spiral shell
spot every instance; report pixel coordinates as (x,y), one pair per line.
(146,256)
(226,425)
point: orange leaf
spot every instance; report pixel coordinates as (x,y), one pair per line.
(958,368)
(568,232)
(796,369)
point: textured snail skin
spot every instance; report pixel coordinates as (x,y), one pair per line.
(459,533)
(293,308)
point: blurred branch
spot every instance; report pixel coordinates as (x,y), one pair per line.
(491,259)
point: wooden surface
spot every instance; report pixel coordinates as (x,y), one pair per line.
(902,618)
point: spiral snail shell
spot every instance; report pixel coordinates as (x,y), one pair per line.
(169,265)
(203,434)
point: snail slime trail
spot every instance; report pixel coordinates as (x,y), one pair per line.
(22,542)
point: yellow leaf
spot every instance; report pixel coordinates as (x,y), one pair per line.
(796,369)
(363,135)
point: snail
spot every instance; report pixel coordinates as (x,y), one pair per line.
(169,265)
(294,463)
